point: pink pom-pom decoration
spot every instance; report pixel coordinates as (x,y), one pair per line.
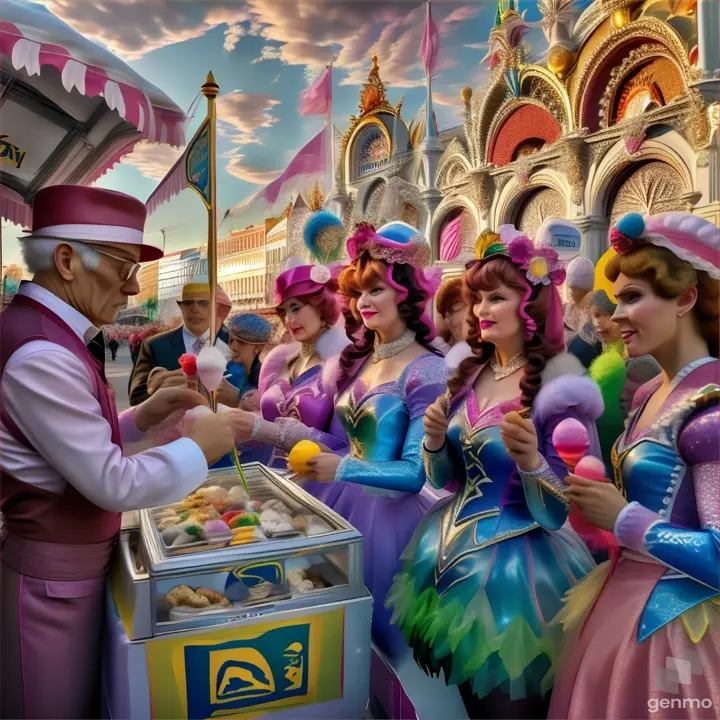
(571,441)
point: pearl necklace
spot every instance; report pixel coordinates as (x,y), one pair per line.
(383,351)
(503,371)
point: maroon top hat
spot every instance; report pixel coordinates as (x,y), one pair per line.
(92,215)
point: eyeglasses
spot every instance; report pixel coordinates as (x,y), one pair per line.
(129,268)
(190,303)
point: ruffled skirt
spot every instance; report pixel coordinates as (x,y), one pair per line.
(606,673)
(488,626)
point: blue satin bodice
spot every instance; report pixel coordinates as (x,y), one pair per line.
(652,471)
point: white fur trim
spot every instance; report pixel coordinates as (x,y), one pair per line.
(332,342)
(457,354)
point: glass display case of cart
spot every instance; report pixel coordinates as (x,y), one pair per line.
(223,553)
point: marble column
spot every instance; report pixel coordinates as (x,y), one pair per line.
(594,229)
(708,25)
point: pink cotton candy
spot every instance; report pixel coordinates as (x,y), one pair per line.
(571,441)
(211,365)
(591,468)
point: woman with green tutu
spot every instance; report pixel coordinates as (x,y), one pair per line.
(481,578)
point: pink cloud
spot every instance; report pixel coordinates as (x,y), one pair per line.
(152,160)
(132,28)
(241,115)
(237,168)
(303,32)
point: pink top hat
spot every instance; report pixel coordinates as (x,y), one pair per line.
(300,280)
(92,215)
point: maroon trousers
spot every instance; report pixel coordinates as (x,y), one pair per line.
(51,625)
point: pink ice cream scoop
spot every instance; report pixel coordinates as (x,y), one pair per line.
(571,441)
(591,468)
(211,365)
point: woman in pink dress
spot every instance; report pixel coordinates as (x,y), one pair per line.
(650,645)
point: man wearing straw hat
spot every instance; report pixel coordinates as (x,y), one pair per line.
(64,479)
(158,363)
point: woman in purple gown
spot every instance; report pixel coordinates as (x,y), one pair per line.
(387,378)
(296,397)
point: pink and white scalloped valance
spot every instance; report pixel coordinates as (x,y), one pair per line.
(155,123)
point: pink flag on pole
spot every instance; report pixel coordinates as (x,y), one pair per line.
(450,239)
(311,160)
(317,98)
(430,48)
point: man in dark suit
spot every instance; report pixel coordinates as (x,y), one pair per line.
(158,360)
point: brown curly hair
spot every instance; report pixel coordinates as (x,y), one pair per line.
(361,275)
(490,275)
(670,277)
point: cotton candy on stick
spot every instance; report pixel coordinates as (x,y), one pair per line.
(571,441)
(211,365)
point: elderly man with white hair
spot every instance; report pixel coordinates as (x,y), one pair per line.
(64,479)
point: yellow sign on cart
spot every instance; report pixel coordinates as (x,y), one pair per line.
(247,671)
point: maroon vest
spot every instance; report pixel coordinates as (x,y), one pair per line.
(31,512)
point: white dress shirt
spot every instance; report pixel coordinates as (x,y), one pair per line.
(47,392)
(190,339)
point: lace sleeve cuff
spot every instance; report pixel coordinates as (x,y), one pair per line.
(547,479)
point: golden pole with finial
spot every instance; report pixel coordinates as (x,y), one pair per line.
(210,90)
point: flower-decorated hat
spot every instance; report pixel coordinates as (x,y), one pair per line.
(251,328)
(395,242)
(688,236)
(541,264)
(542,268)
(324,235)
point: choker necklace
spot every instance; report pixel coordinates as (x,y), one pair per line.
(383,351)
(307,350)
(503,371)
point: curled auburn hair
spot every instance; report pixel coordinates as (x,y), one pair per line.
(361,275)
(488,276)
(670,277)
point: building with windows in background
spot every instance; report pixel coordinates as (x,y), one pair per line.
(148,276)
(276,250)
(241,267)
(174,270)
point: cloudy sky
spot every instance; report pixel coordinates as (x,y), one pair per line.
(263,54)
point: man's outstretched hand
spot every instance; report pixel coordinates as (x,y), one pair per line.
(164,402)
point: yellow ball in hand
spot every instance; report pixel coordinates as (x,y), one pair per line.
(301,453)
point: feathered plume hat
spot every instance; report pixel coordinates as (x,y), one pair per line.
(324,236)
(688,236)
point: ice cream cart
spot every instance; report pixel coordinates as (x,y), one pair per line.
(238,604)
